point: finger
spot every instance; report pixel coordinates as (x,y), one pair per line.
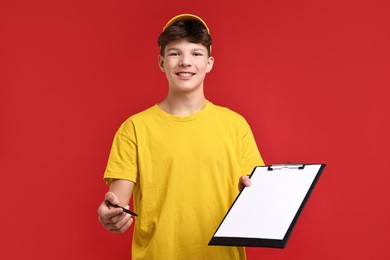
(117,218)
(243,182)
(246,181)
(109,214)
(108,220)
(120,226)
(127,225)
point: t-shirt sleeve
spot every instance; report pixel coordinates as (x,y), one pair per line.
(250,155)
(122,162)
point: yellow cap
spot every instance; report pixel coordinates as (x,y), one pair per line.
(185,16)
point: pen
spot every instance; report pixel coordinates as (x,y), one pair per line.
(109,204)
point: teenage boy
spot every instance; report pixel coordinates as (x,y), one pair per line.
(181,158)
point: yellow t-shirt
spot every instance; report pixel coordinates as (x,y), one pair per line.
(186,171)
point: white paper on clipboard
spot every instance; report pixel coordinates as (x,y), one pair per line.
(265,213)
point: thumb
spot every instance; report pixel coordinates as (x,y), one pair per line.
(243,182)
(111,197)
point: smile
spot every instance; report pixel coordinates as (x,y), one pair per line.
(185,74)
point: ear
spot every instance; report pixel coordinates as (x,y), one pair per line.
(161,63)
(210,64)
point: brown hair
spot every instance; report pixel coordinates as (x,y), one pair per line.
(190,29)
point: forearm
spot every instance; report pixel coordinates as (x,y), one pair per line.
(123,189)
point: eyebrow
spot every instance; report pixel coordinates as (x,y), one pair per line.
(178,49)
(199,49)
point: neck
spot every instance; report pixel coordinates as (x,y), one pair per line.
(183,105)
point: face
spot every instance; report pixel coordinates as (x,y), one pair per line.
(185,65)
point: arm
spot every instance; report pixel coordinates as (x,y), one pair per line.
(114,219)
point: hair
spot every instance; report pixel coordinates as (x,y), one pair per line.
(192,30)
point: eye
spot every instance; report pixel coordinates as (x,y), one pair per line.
(198,54)
(174,53)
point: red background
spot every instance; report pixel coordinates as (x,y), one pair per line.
(311,77)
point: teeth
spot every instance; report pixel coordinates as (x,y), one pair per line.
(185,74)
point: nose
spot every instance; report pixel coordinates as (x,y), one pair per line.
(185,60)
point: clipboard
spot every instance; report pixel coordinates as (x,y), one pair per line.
(264,214)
